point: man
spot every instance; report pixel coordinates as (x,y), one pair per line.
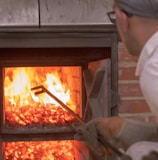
(137,24)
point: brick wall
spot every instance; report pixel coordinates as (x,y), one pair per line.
(132,103)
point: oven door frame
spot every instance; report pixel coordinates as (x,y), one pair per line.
(93,41)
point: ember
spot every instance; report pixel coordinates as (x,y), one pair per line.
(48,150)
(24,108)
(40,116)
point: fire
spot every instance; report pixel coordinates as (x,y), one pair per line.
(23,108)
(47,150)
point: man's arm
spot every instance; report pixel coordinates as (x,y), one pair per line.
(118,131)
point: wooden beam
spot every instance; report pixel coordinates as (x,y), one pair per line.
(19,13)
(59,12)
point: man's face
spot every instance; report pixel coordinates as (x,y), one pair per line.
(118,24)
(124,30)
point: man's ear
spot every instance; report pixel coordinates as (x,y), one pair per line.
(122,19)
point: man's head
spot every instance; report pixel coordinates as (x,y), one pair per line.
(142,8)
(137,20)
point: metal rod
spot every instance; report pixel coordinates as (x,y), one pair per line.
(42,89)
(106,143)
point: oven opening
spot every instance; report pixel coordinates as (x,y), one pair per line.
(45,150)
(34,123)
(28,113)
(24,110)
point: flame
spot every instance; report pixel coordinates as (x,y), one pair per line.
(23,108)
(47,150)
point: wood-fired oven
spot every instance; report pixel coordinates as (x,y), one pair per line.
(77,64)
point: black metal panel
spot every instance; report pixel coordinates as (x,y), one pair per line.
(51,56)
(58,36)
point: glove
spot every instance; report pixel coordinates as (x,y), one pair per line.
(118,131)
(93,131)
(152,156)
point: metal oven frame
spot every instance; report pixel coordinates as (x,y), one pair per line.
(76,44)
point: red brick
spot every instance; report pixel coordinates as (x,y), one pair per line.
(133,106)
(124,55)
(127,73)
(153,119)
(142,117)
(129,90)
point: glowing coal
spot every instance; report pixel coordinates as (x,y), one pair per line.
(23,108)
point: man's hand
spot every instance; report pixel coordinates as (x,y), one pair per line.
(93,131)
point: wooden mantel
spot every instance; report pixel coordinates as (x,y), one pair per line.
(46,13)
